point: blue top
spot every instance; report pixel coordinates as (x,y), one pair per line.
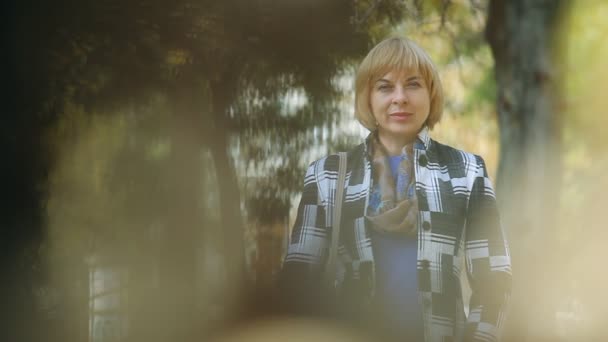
(396,279)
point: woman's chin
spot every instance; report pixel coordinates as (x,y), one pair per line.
(401,130)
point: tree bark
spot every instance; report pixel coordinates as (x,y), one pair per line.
(232,224)
(177,255)
(521,34)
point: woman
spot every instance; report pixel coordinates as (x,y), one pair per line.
(414,212)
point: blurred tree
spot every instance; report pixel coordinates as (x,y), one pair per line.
(522,35)
(25,166)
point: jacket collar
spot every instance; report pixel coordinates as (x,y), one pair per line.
(424,137)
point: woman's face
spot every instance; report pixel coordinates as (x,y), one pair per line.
(400,104)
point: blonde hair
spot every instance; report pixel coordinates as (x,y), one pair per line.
(396,54)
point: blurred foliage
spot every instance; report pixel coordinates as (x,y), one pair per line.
(582,53)
(247,54)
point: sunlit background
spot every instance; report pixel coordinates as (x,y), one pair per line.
(178,137)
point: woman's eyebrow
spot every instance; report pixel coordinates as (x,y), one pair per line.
(383,80)
(411,78)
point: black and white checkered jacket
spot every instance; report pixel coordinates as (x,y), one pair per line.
(458,225)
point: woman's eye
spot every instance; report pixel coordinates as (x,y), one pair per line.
(384,87)
(414,85)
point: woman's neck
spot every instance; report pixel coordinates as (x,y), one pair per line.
(394,144)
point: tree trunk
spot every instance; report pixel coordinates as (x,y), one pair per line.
(521,34)
(232,225)
(180,239)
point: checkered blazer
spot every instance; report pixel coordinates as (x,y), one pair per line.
(458,225)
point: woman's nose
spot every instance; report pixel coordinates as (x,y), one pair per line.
(400,95)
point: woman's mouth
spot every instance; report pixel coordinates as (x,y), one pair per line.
(400,116)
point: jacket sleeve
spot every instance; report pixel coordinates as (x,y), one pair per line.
(488,262)
(301,275)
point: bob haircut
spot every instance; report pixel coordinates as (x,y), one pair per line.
(396,54)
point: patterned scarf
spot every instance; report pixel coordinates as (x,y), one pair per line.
(393,207)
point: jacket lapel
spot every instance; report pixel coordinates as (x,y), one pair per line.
(354,234)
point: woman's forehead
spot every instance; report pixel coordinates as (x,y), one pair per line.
(397,73)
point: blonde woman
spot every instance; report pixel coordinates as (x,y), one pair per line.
(414,212)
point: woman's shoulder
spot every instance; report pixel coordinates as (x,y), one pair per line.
(331,162)
(454,156)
